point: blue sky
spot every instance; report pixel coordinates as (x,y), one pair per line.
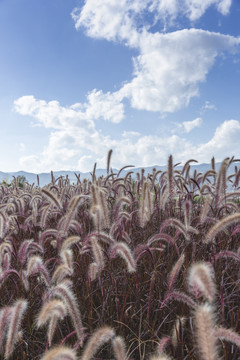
(146,78)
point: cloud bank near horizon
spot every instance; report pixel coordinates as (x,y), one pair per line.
(81,137)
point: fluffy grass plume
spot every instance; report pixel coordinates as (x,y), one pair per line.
(175,336)
(98,338)
(204,332)
(221,225)
(119,348)
(18,310)
(159,357)
(175,271)
(59,353)
(51,311)
(227,335)
(124,251)
(201,281)
(66,294)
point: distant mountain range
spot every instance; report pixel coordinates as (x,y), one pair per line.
(45,178)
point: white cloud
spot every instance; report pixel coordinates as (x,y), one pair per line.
(99,105)
(129,134)
(224,6)
(112,20)
(22,146)
(209,106)
(196,8)
(170,66)
(121,20)
(190,125)
(224,143)
(73,146)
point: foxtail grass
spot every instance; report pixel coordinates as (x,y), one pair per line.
(59,353)
(201,281)
(97,339)
(17,312)
(204,321)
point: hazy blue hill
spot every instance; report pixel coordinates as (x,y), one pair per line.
(45,178)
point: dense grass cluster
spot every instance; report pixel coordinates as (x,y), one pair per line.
(122,268)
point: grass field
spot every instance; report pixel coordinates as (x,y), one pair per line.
(122,268)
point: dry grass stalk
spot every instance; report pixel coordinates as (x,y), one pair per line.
(108,160)
(170,177)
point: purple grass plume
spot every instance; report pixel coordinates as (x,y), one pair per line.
(201,281)
(119,348)
(227,335)
(59,353)
(175,271)
(50,312)
(124,251)
(93,271)
(204,321)
(160,357)
(35,265)
(69,299)
(178,325)
(221,225)
(5,316)
(98,338)
(18,310)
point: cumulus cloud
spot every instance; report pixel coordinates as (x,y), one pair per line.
(99,105)
(196,8)
(170,66)
(129,134)
(209,106)
(75,146)
(120,20)
(190,125)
